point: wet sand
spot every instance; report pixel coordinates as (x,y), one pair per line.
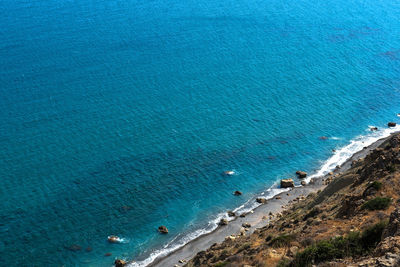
(255,218)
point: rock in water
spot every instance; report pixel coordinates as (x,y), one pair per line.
(162,229)
(285,183)
(119,263)
(301,174)
(373,128)
(223,222)
(229,173)
(391,124)
(323,137)
(113,239)
(231,214)
(303,183)
(237,193)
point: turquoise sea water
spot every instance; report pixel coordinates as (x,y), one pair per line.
(120,116)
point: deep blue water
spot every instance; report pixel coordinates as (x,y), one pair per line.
(119,116)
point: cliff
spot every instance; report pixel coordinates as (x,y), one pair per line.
(354,221)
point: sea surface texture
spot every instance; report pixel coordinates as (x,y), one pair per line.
(117,117)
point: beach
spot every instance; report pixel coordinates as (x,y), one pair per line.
(258,217)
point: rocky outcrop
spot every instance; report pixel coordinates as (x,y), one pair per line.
(162,229)
(285,183)
(391,124)
(261,200)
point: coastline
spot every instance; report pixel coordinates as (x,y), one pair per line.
(257,217)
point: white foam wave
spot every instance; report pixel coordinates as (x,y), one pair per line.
(357,144)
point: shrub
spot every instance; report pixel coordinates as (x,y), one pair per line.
(281,241)
(372,235)
(221,264)
(376,185)
(378,203)
(353,245)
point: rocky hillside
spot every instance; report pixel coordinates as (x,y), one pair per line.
(354,221)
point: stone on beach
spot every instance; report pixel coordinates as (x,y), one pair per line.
(391,124)
(246,225)
(301,174)
(285,183)
(261,200)
(278,197)
(223,222)
(303,183)
(162,229)
(119,263)
(237,193)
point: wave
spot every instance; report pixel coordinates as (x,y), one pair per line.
(338,158)
(357,144)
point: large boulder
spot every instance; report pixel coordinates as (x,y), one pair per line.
(391,124)
(162,229)
(119,263)
(285,183)
(301,174)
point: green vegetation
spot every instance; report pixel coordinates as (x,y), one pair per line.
(221,264)
(282,241)
(353,245)
(376,185)
(378,203)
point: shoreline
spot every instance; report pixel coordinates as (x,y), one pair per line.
(256,217)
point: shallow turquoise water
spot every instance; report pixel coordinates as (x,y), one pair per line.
(119,116)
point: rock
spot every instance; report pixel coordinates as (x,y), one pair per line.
(108,254)
(237,193)
(113,239)
(303,183)
(261,200)
(301,174)
(231,214)
(246,225)
(229,173)
(323,137)
(119,263)
(74,247)
(89,249)
(242,215)
(182,261)
(285,183)
(391,124)
(277,197)
(162,229)
(223,222)
(373,128)
(393,228)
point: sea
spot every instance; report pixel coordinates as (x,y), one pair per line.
(118,116)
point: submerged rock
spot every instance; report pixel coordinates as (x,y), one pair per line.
(119,263)
(323,138)
(162,229)
(237,193)
(74,247)
(301,174)
(391,124)
(108,254)
(285,183)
